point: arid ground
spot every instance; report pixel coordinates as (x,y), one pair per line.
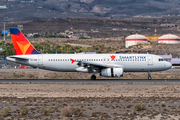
(92,100)
(112,101)
(45,74)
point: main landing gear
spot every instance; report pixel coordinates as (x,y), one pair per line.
(95,71)
(93,77)
(149,76)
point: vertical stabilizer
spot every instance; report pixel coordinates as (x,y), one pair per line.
(21,45)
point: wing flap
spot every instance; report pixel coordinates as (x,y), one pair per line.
(100,65)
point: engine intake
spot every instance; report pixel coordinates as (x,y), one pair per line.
(112,72)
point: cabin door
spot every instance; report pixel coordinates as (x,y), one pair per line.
(150,60)
(40,60)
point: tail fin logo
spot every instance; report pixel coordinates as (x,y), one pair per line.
(23,48)
(21,45)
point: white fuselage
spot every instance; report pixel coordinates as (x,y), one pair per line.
(63,63)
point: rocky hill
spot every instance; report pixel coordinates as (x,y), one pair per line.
(22,10)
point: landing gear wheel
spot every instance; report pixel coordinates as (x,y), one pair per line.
(93,77)
(149,76)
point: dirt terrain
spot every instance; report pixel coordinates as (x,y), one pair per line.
(45,74)
(116,44)
(93,100)
(105,101)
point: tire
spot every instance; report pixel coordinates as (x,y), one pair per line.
(93,77)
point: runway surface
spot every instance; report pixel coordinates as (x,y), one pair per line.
(41,70)
(90,81)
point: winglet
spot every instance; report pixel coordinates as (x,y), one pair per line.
(21,45)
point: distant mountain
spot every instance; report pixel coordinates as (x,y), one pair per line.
(21,10)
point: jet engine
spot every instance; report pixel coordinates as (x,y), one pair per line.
(112,72)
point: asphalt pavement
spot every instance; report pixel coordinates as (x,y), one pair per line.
(88,80)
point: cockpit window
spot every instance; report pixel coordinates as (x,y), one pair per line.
(162,59)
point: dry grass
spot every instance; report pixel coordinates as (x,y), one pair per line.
(5,112)
(24,111)
(140,107)
(70,110)
(46,112)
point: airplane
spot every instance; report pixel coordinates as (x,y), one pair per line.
(107,65)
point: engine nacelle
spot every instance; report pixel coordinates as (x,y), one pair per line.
(112,72)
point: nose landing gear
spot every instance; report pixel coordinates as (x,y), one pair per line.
(149,76)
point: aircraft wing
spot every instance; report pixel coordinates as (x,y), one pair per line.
(100,65)
(96,66)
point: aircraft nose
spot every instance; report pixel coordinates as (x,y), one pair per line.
(169,65)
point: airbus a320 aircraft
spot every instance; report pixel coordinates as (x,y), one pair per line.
(108,65)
